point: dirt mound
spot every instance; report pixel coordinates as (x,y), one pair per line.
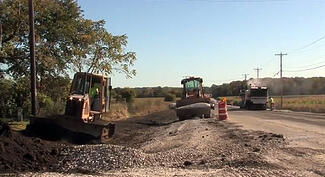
(19,153)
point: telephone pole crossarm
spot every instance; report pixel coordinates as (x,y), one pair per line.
(257,72)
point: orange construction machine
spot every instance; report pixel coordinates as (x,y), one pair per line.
(89,98)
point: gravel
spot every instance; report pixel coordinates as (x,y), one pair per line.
(197,147)
(103,157)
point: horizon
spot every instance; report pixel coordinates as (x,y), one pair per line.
(218,84)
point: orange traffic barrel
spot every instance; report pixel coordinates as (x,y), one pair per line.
(223,112)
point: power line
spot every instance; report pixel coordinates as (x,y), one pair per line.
(301,70)
(240,1)
(276,74)
(307,65)
(226,80)
(266,64)
(310,44)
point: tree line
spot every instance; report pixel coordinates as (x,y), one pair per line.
(291,86)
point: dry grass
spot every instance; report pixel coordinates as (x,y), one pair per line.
(233,100)
(18,126)
(139,107)
(145,106)
(118,111)
(307,103)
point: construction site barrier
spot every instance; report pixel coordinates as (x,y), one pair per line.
(223,112)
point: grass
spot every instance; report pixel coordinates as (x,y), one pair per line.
(306,103)
(15,125)
(145,106)
(18,126)
(119,111)
(139,107)
(234,100)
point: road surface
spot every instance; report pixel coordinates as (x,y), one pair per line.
(302,129)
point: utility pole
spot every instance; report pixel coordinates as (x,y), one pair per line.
(0,33)
(32,58)
(257,72)
(245,76)
(281,54)
(245,81)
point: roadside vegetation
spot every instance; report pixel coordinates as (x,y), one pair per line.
(18,126)
(308,103)
(292,86)
(138,107)
(305,103)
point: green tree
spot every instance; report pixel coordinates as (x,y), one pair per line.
(101,52)
(7,101)
(65,40)
(128,94)
(170,97)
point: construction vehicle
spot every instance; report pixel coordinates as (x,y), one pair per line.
(89,98)
(194,102)
(254,97)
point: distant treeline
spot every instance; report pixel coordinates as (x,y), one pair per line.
(53,91)
(145,92)
(292,86)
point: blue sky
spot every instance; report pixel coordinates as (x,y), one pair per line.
(216,40)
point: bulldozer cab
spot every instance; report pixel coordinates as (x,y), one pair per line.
(192,87)
(89,96)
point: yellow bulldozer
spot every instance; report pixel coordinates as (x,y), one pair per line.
(89,98)
(194,102)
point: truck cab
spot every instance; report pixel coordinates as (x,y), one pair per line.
(255,97)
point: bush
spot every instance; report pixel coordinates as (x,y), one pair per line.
(170,97)
(128,94)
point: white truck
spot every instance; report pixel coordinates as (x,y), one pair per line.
(254,97)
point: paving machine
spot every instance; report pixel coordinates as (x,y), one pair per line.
(89,98)
(194,102)
(254,97)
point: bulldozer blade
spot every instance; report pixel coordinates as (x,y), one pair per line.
(70,129)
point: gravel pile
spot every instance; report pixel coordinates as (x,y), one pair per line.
(97,158)
(100,158)
(225,148)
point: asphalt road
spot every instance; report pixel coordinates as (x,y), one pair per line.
(302,129)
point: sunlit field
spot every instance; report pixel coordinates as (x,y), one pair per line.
(306,103)
(139,107)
